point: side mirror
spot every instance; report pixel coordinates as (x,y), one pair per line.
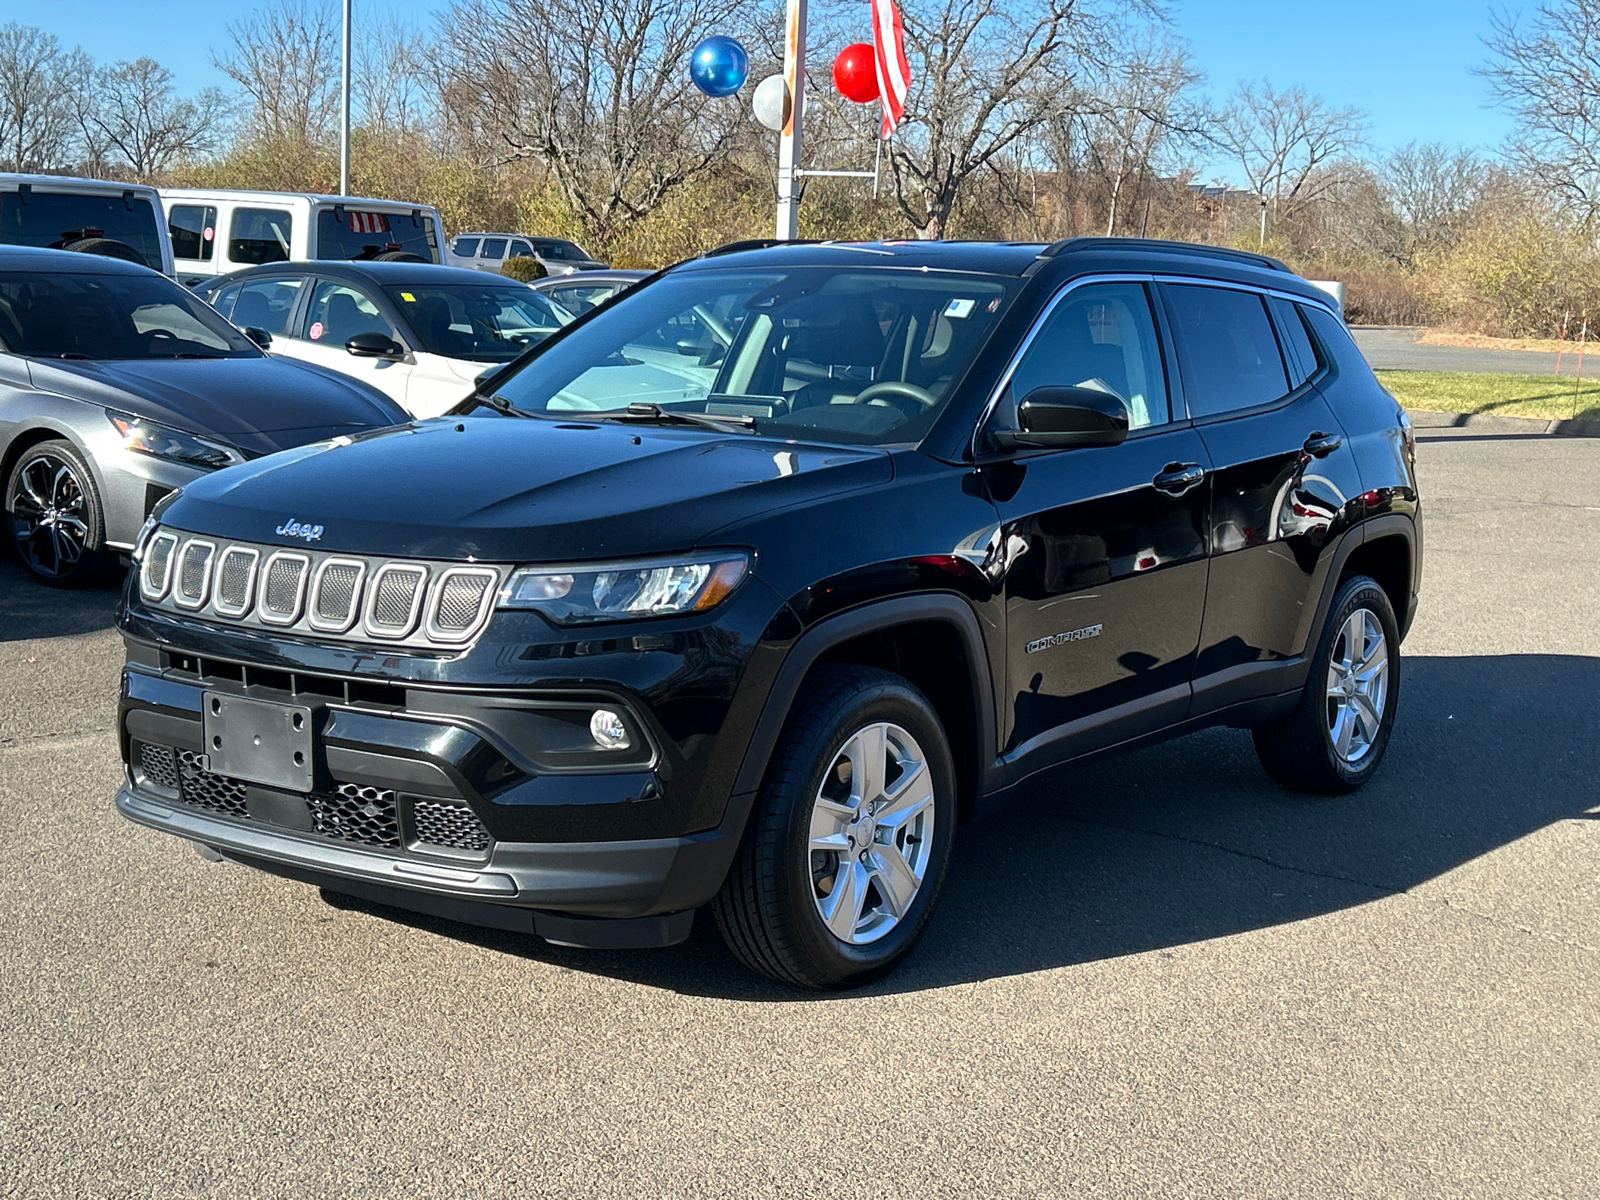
(374,345)
(1057,418)
(258,335)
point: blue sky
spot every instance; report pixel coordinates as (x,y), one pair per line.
(1407,62)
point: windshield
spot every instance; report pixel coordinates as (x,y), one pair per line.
(53,221)
(863,356)
(560,250)
(360,235)
(111,317)
(492,323)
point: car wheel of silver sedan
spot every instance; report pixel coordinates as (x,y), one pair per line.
(54,516)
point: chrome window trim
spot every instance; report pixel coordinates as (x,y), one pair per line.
(418,595)
(178,597)
(250,586)
(264,614)
(486,602)
(315,592)
(166,578)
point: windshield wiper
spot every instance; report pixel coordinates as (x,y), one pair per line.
(500,404)
(641,410)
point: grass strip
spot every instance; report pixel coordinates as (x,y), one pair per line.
(1546,396)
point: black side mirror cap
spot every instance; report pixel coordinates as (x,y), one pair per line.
(374,345)
(1056,418)
(258,335)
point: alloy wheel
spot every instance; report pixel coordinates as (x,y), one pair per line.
(1358,686)
(49,515)
(871,833)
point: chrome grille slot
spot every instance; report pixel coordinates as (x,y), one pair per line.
(460,602)
(336,594)
(284,589)
(156,575)
(236,581)
(194,573)
(394,599)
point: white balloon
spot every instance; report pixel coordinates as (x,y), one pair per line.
(770,102)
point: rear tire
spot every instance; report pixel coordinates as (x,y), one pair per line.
(842,859)
(54,518)
(107,247)
(1334,738)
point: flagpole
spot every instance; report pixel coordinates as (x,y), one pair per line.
(789,147)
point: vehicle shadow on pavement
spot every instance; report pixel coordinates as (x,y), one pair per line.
(1189,840)
(30,610)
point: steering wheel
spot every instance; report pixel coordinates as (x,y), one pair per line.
(901,391)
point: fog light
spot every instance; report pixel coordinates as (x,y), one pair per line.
(607,730)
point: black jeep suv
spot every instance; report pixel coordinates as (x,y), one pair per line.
(746,589)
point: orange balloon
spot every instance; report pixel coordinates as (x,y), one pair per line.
(855,73)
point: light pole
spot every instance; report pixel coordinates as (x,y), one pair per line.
(1260,245)
(344,110)
(794,82)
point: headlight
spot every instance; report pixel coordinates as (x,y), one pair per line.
(574,595)
(158,441)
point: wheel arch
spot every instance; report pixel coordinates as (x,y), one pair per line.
(43,431)
(1385,554)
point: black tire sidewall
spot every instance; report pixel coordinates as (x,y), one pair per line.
(1356,593)
(92,565)
(897,702)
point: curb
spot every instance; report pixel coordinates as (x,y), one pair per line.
(1422,419)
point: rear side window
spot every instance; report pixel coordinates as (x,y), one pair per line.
(55,220)
(266,304)
(194,231)
(1227,350)
(494,248)
(1301,354)
(467,247)
(259,235)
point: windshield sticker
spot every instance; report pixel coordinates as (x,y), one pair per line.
(960,309)
(408,297)
(316,330)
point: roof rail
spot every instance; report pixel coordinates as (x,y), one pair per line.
(756,244)
(1066,245)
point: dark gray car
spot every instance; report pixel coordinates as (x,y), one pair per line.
(117,387)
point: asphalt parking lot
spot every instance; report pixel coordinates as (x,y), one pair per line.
(1158,975)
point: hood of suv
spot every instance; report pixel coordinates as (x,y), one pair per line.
(508,490)
(261,405)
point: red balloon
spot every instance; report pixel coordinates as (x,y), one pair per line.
(855,73)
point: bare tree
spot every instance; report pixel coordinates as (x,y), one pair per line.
(597,92)
(389,88)
(285,60)
(1285,143)
(37,83)
(1546,73)
(984,75)
(137,122)
(1433,188)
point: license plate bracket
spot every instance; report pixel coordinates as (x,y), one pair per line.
(259,741)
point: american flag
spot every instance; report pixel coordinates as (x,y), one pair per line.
(894,72)
(368,222)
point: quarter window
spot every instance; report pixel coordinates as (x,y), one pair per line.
(1229,354)
(194,231)
(467,247)
(338,312)
(1100,336)
(521,250)
(1302,357)
(259,235)
(266,304)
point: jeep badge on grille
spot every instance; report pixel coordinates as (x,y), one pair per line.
(295,529)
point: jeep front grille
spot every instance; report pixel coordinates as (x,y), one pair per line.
(344,597)
(452,826)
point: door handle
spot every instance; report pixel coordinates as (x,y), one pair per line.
(1179,478)
(1320,445)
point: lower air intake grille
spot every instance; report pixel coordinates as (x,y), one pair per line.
(454,826)
(356,814)
(159,766)
(200,787)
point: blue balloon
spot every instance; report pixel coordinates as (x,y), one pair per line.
(719,66)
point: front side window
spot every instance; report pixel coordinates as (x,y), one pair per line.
(338,312)
(1100,336)
(223,299)
(822,353)
(267,304)
(360,235)
(1227,349)
(194,231)
(494,248)
(493,323)
(55,220)
(112,317)
(259,235)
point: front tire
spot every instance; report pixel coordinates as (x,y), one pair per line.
(1334,739)
(54,516)
(843,858)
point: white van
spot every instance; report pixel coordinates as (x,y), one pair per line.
(215,232)
(61,212)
